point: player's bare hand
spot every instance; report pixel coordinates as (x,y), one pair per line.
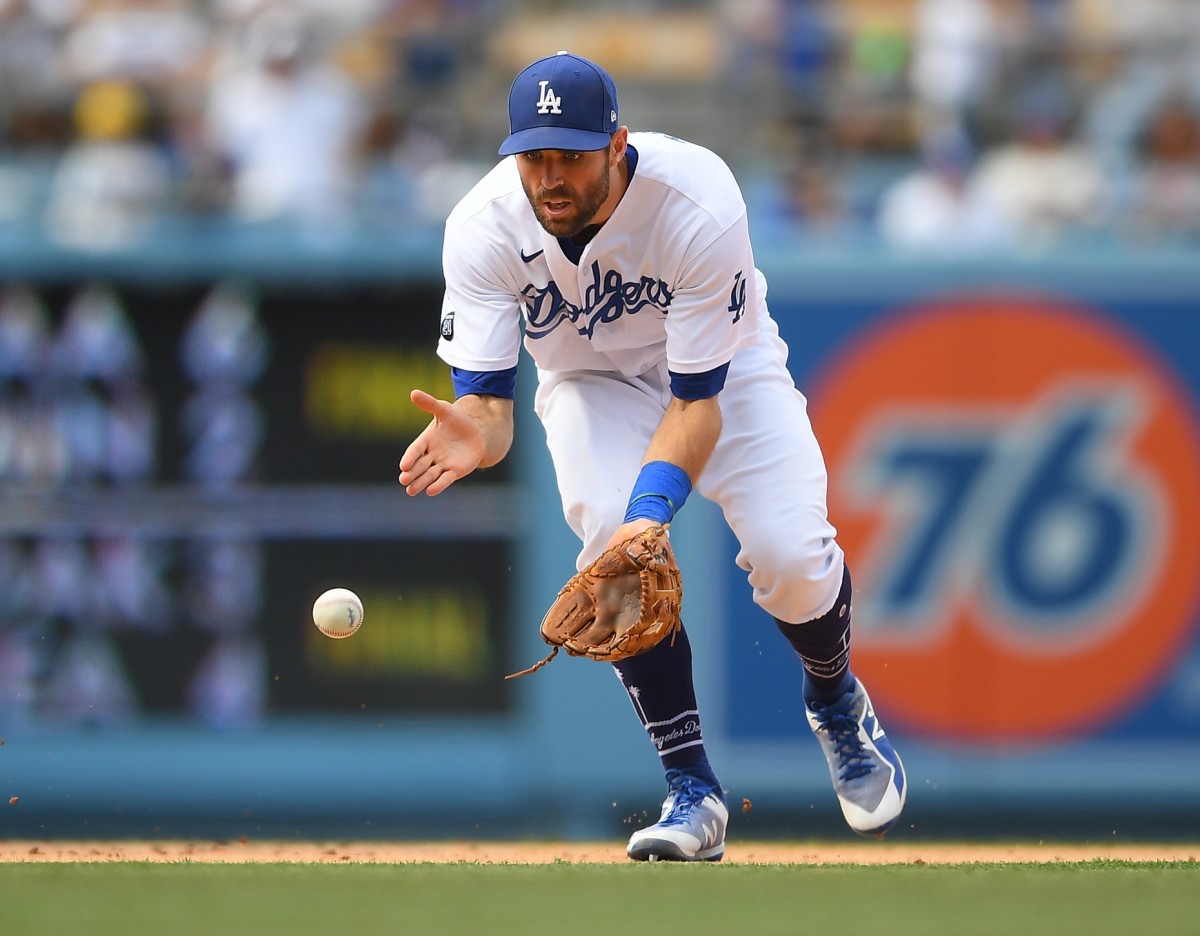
(448,449)
(627,530)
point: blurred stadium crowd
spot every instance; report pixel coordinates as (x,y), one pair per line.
(946,125)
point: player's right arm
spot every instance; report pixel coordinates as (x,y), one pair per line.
(475,431)
(480,338)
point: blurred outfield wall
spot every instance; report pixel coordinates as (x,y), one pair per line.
(195,444)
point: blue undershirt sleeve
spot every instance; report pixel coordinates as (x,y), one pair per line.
(491,383)
(698,386)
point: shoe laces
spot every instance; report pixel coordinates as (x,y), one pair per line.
(688,793)
(842,729)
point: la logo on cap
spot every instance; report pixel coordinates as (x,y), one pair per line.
(549,102)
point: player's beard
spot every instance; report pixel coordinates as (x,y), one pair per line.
(586,204)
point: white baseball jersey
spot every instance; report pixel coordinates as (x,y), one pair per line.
(670,275)
(668,284)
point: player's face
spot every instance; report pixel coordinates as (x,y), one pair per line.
(566,189)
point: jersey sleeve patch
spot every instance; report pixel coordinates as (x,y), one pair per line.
(502,383)
(699,386)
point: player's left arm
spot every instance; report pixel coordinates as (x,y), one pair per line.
(676,456)
(707,323)
(687,435)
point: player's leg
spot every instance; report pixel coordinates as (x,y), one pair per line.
(694,816)
(769,476)
(597,429)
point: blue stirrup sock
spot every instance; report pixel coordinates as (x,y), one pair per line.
(823,646)
(659,684)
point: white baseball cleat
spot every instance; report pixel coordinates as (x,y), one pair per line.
(867,774)
(691,827)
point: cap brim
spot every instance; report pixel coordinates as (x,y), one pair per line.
(554,138)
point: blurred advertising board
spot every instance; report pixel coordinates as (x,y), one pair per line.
(1015,476)
(185,466)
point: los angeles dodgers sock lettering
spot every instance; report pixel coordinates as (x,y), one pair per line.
(659,683)
(823,646)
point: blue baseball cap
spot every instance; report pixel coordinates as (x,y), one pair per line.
(561,102)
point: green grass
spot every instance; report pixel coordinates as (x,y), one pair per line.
(131,898)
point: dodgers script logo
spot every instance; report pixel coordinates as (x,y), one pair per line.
(1014,482)
(607,298)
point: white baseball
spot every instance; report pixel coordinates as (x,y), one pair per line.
(338,612)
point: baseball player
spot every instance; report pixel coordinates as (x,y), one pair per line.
(622,261)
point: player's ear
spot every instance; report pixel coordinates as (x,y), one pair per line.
(620,139)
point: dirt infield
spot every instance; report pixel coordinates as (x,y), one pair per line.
(805,853)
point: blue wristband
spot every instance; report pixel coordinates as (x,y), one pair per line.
(659,492)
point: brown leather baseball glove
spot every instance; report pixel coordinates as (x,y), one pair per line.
(621,605)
